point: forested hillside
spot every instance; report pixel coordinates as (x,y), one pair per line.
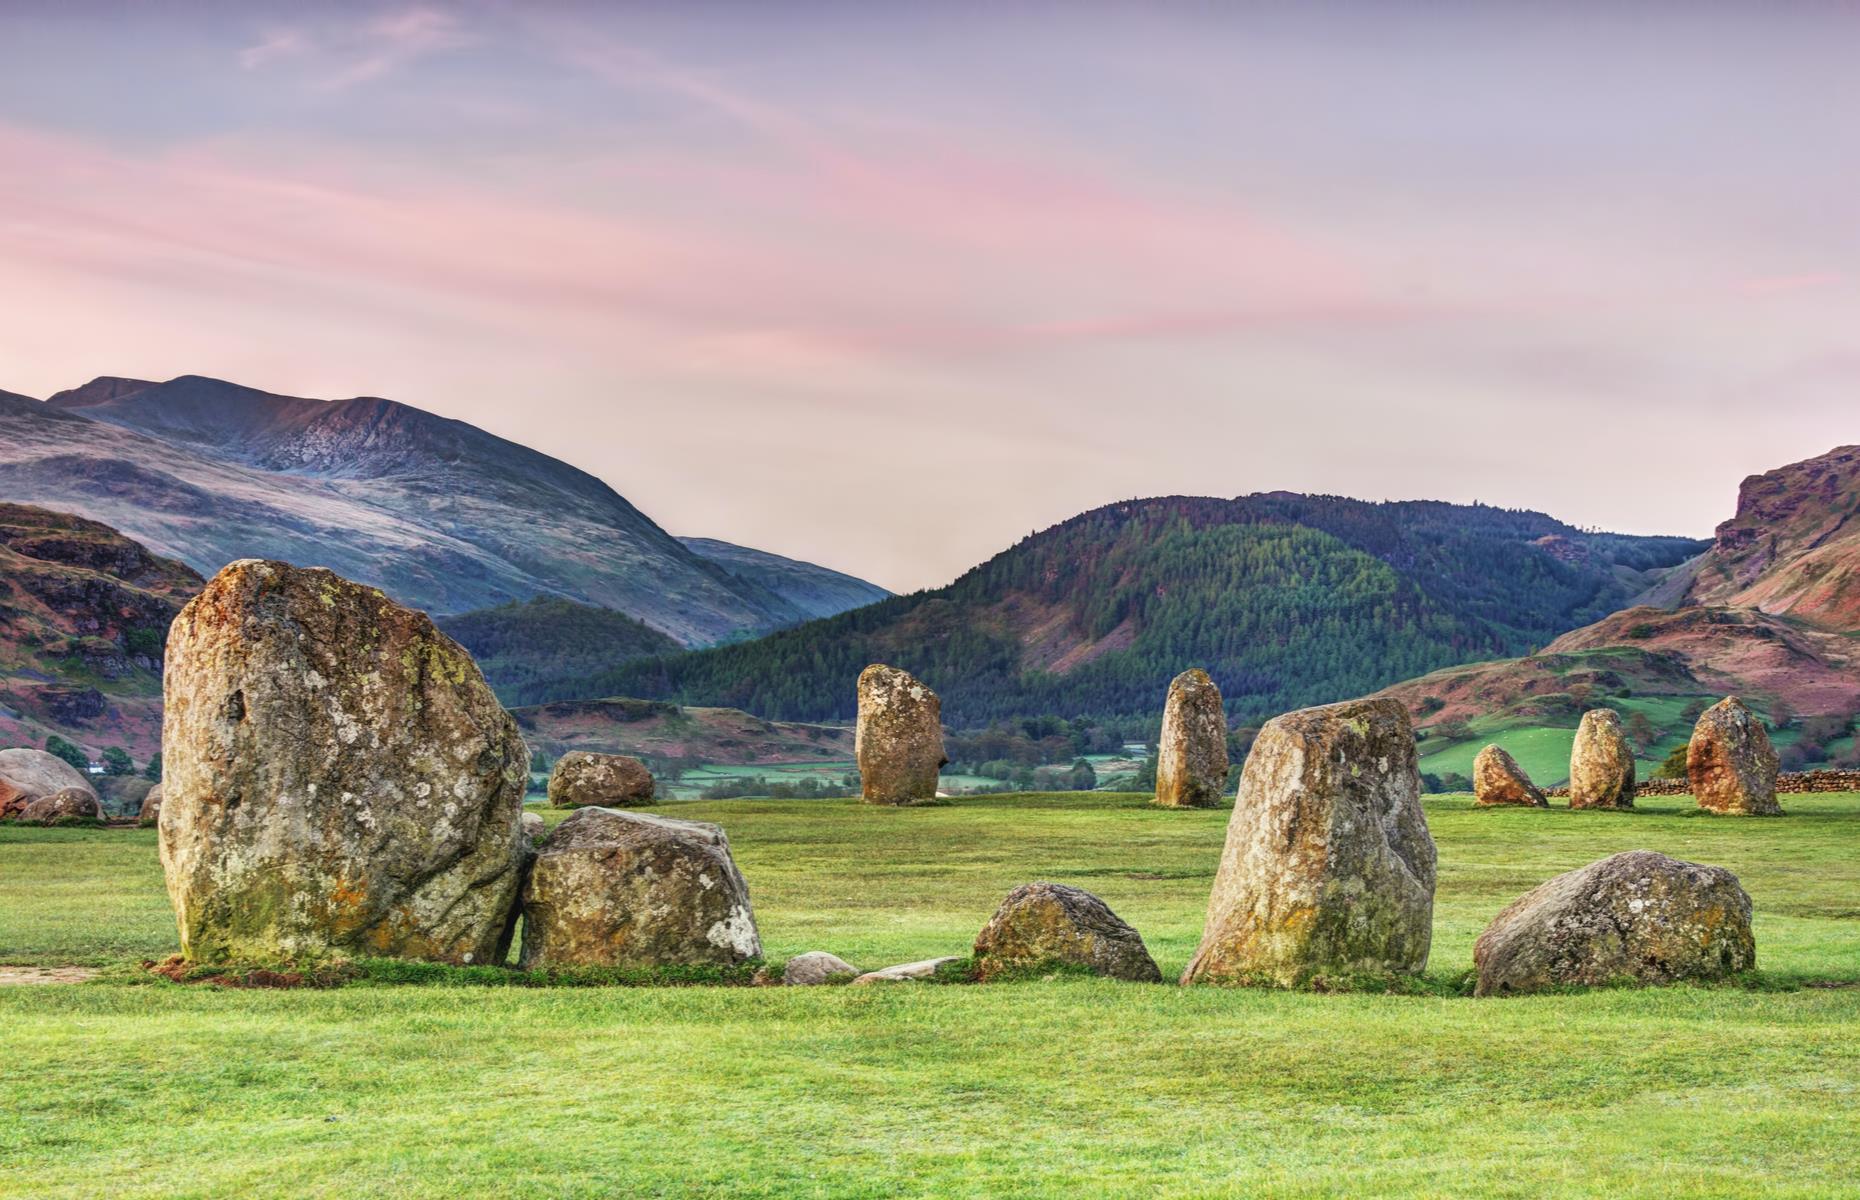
(1287,600)
(525,642)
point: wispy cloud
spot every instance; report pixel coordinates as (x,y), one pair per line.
(346,53)
(276,44)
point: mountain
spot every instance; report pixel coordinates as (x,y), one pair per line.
(84,616)
(530,641)
(1769,612)
(814,590)
(1286,599)
(437,513)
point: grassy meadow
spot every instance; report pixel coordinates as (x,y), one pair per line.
(1062,1087)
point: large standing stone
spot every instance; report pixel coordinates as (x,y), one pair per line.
(1045,923)
(337,777)
(65,806)
(1730,762)
(27,775)
(1499,781)
(1191,757)
(1637,915)
(621,889)
(583,778)
(899,737)
(1329,868)
(1601,763)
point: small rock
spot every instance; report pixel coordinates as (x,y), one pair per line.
(816,967)
(1601,763)
(623,889)
(65,806)
(533,827)
(905,972)
(898,738)
(1730,762)
(27,775)
(1637,915)
(1043,923)
(1191,756)
(1498,781)
(582,778)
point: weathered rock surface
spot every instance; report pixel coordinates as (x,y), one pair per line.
(1050,923)
(534,827)
(1637,915)
(28,775)
(1601,763)
(1329,868)
(816,967)
(337,777)
(583,778)
(621,889)
(66,804)
(1730,763)
(1498,781)
(906,972)
(899,737)
(150,812)
(1191,756)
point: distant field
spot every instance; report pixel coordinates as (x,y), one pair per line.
(1060,1088)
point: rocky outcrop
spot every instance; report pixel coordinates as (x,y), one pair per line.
(1498,781)
(907,972)
(1637,916)
(1051,924)
(817,967)
(337,778)
(67,806)
(1730,763)
(1328,869)
(1601,763)
(899,737)
(150,812)
(582,778)
(28,775)
(621,889)
(1191,755)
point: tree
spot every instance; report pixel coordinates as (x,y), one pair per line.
(1782,714)
(1082,777)
(116,761)
(59,747)
(1641,729)
(153,770)
(1675,765)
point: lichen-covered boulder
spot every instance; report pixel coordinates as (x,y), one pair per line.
(1042,924)
(27,775)
(1634,916)
(621,889)
(1601,763)
(66,806)
(150,812)
(582,778)
(817,967)
(1191,755)
(338,779)
(1730,762)
(1328,869)
(899,737)
(1498,781)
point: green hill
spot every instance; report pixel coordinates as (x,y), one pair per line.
(522,642)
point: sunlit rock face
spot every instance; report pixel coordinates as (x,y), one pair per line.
(899,737)
(1730,763)
(1601,763)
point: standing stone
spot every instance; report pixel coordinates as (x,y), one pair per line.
(622,889)
(67,806)
(582,778)
(28,775)
(1040,924)
(150,813)
(1601,763)
(899,737)
(1730,762)
(1499,781)
(338,779)
(1637,915)
(1329,868)
(1191,757)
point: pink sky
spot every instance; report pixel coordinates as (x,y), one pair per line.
(888,288)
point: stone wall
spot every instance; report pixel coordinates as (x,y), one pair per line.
(1789,782)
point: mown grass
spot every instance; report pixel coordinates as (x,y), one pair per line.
(1060,1087)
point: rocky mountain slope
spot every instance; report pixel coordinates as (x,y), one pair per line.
(814,590)
(84,615)
(1286,599)
(437,513)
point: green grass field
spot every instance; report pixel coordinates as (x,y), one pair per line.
(1062,1088)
